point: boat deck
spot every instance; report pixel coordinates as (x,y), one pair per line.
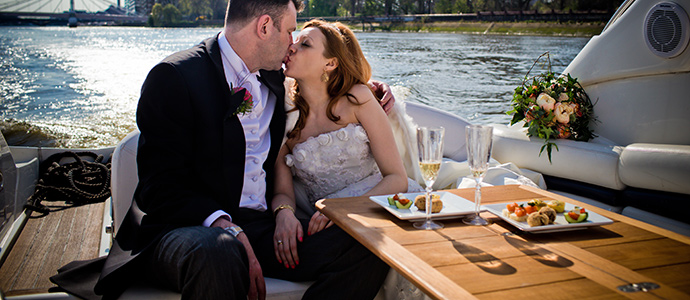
(49,242)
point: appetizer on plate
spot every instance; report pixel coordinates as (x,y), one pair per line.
(557,205)
(544,216)
(515,212)
(535,213)
(436,203)
(576,215)
(399,201)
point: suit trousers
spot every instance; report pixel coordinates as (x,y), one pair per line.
(209,263)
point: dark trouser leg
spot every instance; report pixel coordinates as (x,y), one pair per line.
(201,263)
(342,268)
(353,272)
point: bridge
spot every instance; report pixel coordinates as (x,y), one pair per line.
(64,12)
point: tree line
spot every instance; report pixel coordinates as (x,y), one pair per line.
(176,12)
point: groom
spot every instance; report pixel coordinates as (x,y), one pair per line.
(202,220)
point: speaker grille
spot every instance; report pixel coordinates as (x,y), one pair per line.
(666,29)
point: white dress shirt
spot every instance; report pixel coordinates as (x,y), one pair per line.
(256,129)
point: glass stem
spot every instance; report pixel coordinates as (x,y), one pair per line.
(428,203)
(477,195)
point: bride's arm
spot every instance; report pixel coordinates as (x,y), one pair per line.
(288,228)
(382,142)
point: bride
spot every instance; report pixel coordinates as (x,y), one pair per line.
(342,144)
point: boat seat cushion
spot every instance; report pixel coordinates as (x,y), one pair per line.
(658,167)
(454,139)
(276,289)
(594,162)
(657,220)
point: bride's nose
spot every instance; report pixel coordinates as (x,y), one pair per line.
(292,49)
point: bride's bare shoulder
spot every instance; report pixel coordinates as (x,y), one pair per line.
(362,93)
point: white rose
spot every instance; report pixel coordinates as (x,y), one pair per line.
(342,135)
(300,155)
(563,112)
(361,134)
(324,139)
(562,97)
(352,149)
(546,102)
(289,161)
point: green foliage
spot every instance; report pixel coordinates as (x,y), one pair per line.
(218,8)
(461,7)
(167,15)
(322,8)
(373,8)
(195,8)
(215,9)
(444,6)
(553,107)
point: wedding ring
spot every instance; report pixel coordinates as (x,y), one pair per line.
(280,242)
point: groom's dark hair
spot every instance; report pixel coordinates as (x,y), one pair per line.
(242,11)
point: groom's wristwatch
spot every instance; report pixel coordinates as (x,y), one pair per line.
(234,230)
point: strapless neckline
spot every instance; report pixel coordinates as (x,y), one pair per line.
(326,137)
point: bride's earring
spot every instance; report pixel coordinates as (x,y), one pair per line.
(324,76)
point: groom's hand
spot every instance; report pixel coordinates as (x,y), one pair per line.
(257,284)
(383,92)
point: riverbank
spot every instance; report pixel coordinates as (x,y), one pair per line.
(575,29)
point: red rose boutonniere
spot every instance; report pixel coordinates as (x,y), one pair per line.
(247,103)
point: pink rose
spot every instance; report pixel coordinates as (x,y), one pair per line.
(562,97)
(546,102)
(529,114)
(563,131)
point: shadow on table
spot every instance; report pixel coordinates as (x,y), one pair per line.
(485,261)
(539,254)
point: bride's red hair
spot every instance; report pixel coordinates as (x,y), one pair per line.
(353,68)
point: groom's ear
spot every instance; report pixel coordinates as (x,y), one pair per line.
(262,26)
(331,64)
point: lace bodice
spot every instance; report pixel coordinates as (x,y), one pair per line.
(335,164)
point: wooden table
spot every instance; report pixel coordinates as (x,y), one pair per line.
(499,262)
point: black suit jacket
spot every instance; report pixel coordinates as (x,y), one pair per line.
(190,157)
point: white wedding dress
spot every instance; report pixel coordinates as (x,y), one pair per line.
(336,164)
(340,164)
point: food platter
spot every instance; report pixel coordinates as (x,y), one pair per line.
(560,224)
(453,206)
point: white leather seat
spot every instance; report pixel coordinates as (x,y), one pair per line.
(594,162)
(454,139)
(124,182)
(659,167)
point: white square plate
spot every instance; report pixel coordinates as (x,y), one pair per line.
(453,207)
(560,224)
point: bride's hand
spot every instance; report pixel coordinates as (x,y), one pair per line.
(288,232)
(318,222)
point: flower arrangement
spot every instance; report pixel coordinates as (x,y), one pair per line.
(553,107)
(247,102)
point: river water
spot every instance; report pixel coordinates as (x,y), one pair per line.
(79,87)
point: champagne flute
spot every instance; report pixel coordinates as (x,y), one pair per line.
(478,153)
(430,144)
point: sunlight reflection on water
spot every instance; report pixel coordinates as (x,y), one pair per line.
(82,84)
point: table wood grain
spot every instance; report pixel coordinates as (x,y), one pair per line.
(499,261)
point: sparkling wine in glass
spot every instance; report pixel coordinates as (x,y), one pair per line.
(430,144)
(478,154)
